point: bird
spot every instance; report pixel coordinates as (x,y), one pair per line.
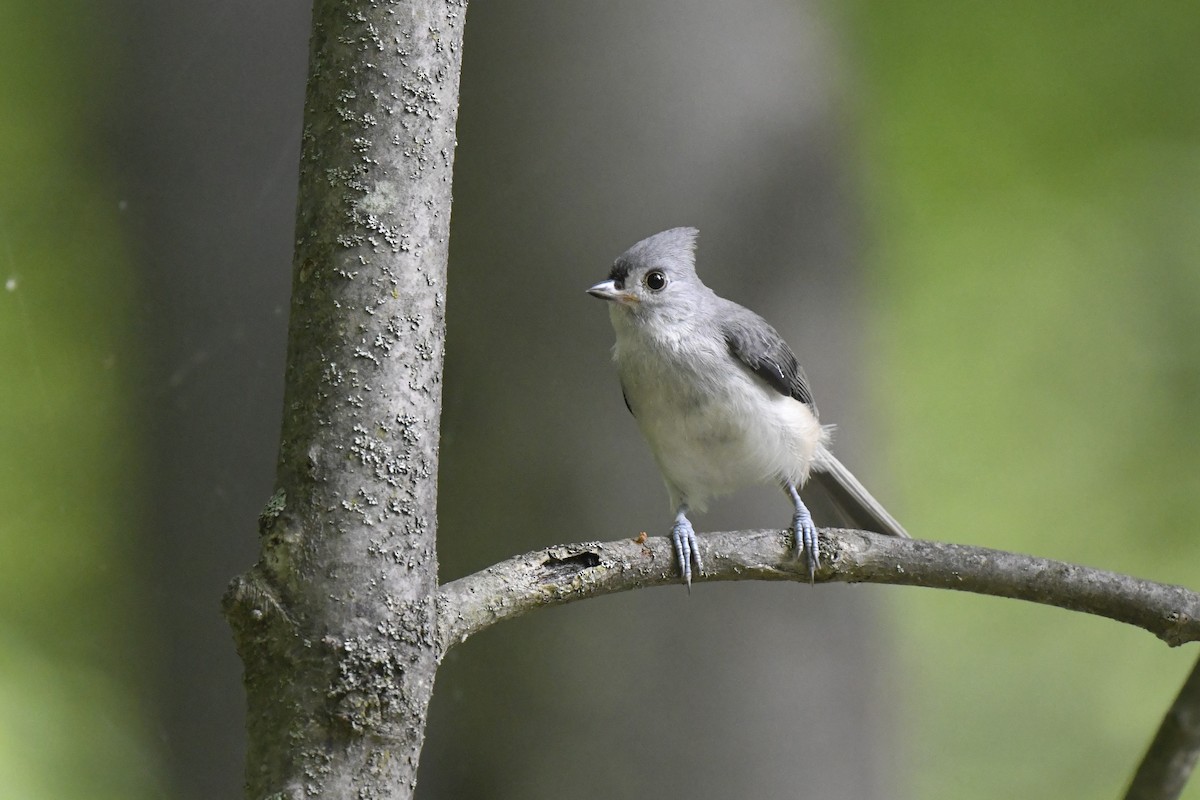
(720,398)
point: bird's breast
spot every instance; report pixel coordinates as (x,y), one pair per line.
(712,425)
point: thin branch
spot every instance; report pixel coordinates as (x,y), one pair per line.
(1172,755)
(565,573)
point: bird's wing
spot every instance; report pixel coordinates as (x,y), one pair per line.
(757,345)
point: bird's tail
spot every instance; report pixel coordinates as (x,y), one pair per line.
(851,498)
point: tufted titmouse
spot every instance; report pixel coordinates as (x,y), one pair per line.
(719,396)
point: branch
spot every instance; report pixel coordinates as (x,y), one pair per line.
(565,573)
(1169,761)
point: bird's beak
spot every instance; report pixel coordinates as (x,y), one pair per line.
(607,290)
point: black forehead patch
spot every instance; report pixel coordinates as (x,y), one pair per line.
(620,270)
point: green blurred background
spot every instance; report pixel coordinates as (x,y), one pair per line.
(1033,187)
(1019,204)
(75,637)
(1033,182)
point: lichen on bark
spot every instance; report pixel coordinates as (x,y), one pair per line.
(335,624)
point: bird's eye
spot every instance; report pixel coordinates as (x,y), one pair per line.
(656,281)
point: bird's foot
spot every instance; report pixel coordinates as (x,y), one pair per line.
(687,549)
(806,533)
(806,541)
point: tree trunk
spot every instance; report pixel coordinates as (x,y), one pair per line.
(335,624)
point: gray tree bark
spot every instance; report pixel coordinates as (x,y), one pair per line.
(335,623)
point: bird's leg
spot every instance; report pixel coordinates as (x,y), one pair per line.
(806,532)
(687,550)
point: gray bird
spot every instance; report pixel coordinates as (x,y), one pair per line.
(719,396)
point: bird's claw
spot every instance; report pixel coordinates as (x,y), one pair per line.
(807,543)
(687,549)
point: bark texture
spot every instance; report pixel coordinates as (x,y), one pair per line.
(335,624)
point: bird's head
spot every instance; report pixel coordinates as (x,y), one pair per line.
(654,276)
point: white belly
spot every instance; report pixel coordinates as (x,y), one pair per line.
(713,437)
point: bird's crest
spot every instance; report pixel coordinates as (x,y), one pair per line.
(674,249)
